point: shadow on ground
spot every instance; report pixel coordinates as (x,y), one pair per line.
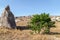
(52,33)
(28,28)
(23,27)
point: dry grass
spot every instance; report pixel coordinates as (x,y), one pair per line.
(16,34)
(10,34)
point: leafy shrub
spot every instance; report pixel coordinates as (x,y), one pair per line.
(41,21)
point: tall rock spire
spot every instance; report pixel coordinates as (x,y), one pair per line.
(7,8)
(7,18)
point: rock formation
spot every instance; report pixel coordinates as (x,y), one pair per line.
(7,18)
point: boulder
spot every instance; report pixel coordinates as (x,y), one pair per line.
(7,18)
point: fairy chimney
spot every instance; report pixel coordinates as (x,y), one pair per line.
(7,18)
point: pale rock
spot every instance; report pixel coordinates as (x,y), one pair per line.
(7,18)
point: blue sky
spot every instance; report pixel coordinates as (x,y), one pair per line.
(30,7)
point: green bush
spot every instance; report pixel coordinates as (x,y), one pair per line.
(41,21)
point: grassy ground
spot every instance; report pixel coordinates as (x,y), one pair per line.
(25,34)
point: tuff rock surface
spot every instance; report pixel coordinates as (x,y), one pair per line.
(7,18)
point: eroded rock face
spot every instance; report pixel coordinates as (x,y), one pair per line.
(7,18)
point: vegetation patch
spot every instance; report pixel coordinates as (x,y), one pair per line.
(42,21)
